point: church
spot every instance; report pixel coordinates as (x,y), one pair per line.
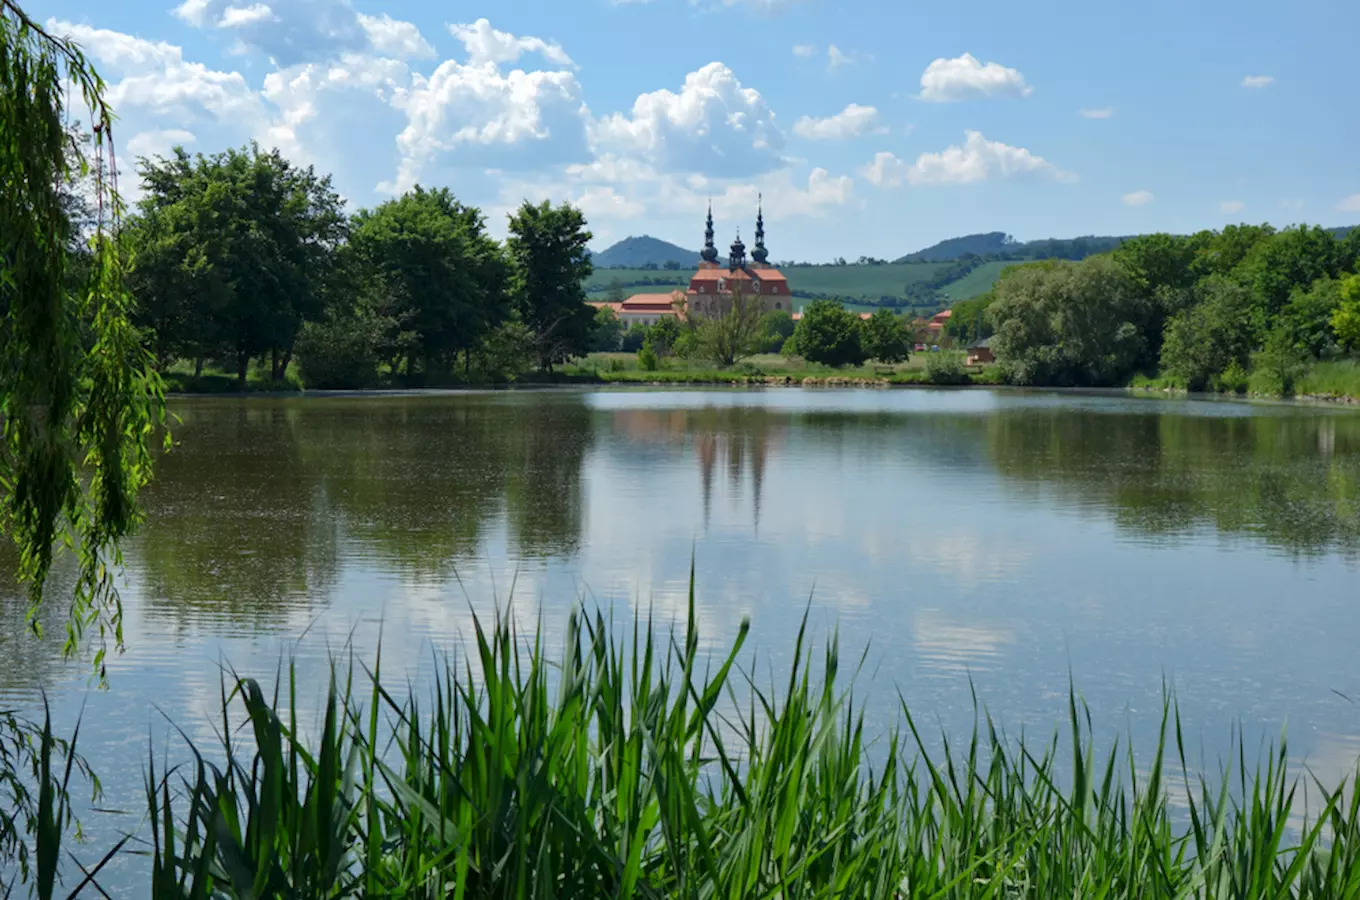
(713,285)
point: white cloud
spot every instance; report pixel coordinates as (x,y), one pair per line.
(395,38)
(158,143)
(1138,198)
(853,121)
(837,58)
(606,203)
(713,125)
(477,115)
(1294,204)
(884,171)
(1103,112)
(241,16)
(804,51)
(976,159)
(153,78)
(321,106)
(1350,204)
(1258,81)
(485,44)
(287,31)
(1232,207)
(965,78)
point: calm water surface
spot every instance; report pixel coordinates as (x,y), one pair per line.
(1003,537)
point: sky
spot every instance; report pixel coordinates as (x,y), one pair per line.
(868,128)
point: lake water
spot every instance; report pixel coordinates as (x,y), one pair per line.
(1004,539)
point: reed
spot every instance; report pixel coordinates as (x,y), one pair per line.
(635,766)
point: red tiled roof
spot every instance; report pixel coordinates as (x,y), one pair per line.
(647,303)
(942,315)
(798,316)
(714,274)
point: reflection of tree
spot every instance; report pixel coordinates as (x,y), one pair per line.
(234,526)
(1292,481)
(542,473)
(28,662)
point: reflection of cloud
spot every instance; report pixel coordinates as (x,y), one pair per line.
(954,647)
(970,559)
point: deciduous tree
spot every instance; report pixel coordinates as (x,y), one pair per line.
(549,266)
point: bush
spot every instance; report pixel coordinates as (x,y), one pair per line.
(885,338)
(1233,379)
(647,358)
(339,353)
(945,368)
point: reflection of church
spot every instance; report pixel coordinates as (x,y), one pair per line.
(736,440)
(714,286)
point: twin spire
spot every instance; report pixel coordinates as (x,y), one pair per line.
(737,258)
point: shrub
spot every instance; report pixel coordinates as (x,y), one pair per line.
(945,368)
(338,353)
(830,334)
(647,358)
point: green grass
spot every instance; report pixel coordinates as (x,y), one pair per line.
(633,766)
(180,379)
(1331,379)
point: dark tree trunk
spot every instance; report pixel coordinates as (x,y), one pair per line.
(275,371)
(198,366)
(242,366)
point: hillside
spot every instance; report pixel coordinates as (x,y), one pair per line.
(642,251)
(1002,245)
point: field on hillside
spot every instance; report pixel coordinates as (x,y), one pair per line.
(978,281)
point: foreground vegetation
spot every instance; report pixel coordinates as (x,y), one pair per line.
(1247,309)
(635,767)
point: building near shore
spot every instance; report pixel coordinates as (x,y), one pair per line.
(714,287)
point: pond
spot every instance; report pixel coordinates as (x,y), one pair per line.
(1001,541)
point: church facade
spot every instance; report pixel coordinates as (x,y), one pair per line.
(715,287)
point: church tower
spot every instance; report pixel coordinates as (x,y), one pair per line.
(760,254)
(710,252)
(736,260)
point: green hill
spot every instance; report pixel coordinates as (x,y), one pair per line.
(1000,244)
(638,252)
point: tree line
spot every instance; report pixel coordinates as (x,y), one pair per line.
(242,256)
(1215,310)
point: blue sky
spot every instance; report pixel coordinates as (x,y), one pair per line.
(870,128)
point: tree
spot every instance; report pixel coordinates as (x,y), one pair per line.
(969,321)
(436,274)
(1307,317)
(776,327)
(664,335)
(732,336)
(1292,259)
(249,239)
(1068,323)
(830,334)
(1205,340)
(1346,317)
(615,292)
(78,391)
(549,266)
(608,332)
(885,338)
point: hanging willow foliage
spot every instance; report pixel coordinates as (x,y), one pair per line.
(79,398)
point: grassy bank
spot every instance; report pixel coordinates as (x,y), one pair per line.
(1337,381)
(632,766)
(180,379)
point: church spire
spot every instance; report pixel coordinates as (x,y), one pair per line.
(710,252)
(737,255)
(760,254)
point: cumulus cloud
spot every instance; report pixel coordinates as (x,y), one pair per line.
(485,44)
(321,106)
(1103,112)
(976,159)
(853,121)
(154,78)
(712,125)
(1138,198)
(1232,207)
(804,51)
(287,31)
(1258,81)
(479,115)
(965,78)
(393,37)
(1350,204)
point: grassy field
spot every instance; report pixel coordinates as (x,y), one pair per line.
(978,281)
(633,765)
(180,379)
